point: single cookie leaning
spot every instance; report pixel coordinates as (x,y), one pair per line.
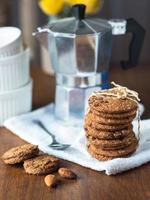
(112,144)
(20,154)
(108,135)
(98,119)
(107,104)
(42,164)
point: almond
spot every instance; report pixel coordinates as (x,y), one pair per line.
(66,173)
(50,180)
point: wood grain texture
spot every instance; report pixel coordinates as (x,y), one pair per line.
(15,184)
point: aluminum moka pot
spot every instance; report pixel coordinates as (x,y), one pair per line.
(80,51)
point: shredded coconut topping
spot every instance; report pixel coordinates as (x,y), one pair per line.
(119,92)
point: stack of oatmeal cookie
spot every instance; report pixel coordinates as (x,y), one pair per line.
(108,123)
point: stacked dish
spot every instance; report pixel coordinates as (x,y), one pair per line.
(15,82)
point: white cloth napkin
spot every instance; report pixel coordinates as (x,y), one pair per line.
(24,127)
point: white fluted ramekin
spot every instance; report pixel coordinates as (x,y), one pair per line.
(14,71)
(15,102)
(10,41)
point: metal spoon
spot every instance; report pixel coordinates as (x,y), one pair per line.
(55,145)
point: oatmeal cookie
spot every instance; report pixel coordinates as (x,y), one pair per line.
(43,164)
(112,144)
(115,153)
(108,135)
(115,116)
(108,121)
(104,127)
(20,154)
(110,105)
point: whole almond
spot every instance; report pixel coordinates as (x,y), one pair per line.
(50,180)
(66,173)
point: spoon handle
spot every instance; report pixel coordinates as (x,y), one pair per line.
(45,129)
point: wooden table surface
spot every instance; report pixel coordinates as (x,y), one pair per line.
(15,184)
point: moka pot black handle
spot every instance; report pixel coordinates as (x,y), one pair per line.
(135,47)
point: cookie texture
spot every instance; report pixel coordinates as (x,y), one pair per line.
(113,144)
(116,115)
(102,157)
(98,156)
(106,127)
(109,121)
(107,135)
(20,154)
(42,164)
(108,104)
(115,153)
